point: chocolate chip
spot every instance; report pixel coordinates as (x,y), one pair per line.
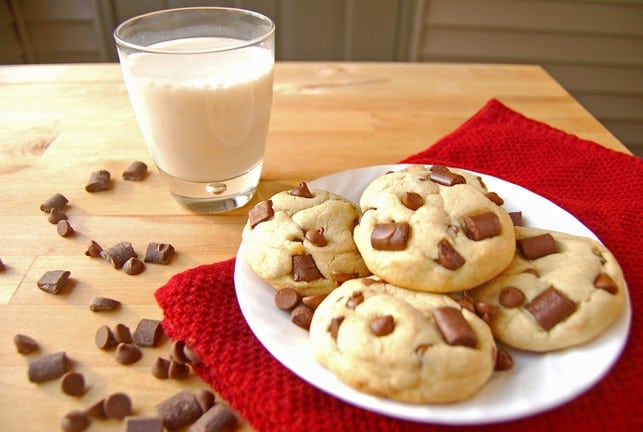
(191,355)
(550,307)
(516,218)
(161,368)
(135,172)
(117,406)
(56,216)
(316,237)
(73,384)
(301,191)
(48,367)
(148,333)
(93,249)
(179,410)
(57,201)
(286,299)
(504,361)
(441,175)
(467,303)
(97,410)
(133,266)
(495,198)
(455,329)
(382,325)
(511,297)
(122,333)
(390,236)
(98,181)
(604,282)
(219,418)
(143,424)
(302,315)
(205,398)
(260,213)
(75,421)
(127,353)
(159,253)
(537,246)
(314,300)
(333,327)
(118,254)
(104,338)
(25,344)
(103,304)
(177,352)
(178,370)
(64,228)
(486,310)
(448,257)
(341,277)
(356,298)
(481,226)
(53,281)
(304,268)
(412,200)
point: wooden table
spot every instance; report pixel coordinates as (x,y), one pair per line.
(58,123)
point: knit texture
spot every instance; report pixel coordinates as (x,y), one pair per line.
(601,187)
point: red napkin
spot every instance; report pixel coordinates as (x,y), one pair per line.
(599,186)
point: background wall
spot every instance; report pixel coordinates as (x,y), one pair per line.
(594,48)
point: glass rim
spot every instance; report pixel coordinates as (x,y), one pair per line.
(142,48)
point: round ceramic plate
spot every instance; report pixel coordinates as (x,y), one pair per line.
(536,383)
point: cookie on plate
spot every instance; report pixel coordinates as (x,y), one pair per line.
(559,291)
(303,240)
(401,344)
(433,229)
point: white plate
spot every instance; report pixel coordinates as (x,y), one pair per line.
(536,383)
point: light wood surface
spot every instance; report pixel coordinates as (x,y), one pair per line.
(58,123)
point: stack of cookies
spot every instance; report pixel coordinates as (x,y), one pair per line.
(409,293)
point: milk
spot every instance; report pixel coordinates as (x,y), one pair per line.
(204,116)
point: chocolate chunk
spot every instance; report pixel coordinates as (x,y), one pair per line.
(97,410)
(448,257)
(504,361)
(219,418)
(481,226)
(286,298)
(454,327)
(191,355)
(511,297)
(127,353)
(64,228)
(467,303)
(53,281)
(486,310)
(178,370)
(122,333)
(135,172)
(103,304)
(73,384)
(56,216)
(550,307)
(301,191)
(161,368)
(99,181)
(304,268)
(314,300)
(143,424)
(159,253)
(179,410)
(48,367)
(495,198)
(537,246)
(333,327)
(516,218)
(441,175)
(75,421)
(205,398)
(356,298)
(148,333)
(390,236)
(93,249)
(341,277)
(412,200)
(177,352)
(302,315)
(260,213)
(382,325)
(104,338)
(57,201)
(117,406)
(118,254)
(133,266)
(316,237)
(604,282)
(25,344)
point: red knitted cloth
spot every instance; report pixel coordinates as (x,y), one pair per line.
(600,187)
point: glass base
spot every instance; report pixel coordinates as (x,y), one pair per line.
(215,196)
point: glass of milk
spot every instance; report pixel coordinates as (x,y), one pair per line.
(200,82)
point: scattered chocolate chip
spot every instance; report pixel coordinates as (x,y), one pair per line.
(341,277)
(103,304)
(495,198)
(448,257)
(390,236)
(117,406)
(53,281)
(455,329)
(179,410)
(25,344)
(97,410)
(481,226)
(143,424)
(192,356)
(177,352)
(104,338)
(118,254)
(356,298)
(93,249)
(511,297)
(550,307)
(260,213)
(516,218)
(333,327)
(122,333)
(73,384)
(504,361)
(133,266)
(604,282)
(127,353)
(302,315)
(178,370)
(57,201)
(486,310)
(56,216)
(64,228)
(159,253)
(316,237)
(467,303)
(205,398)
(537,246)
(286,298)
(48,367)
(412,200)
(135,172)
(75,421)
(382,325)
(314,300)
(301,191)
(441,175)
(219,418)
(304,268)
(161,368)
(98,181)
(148,333)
